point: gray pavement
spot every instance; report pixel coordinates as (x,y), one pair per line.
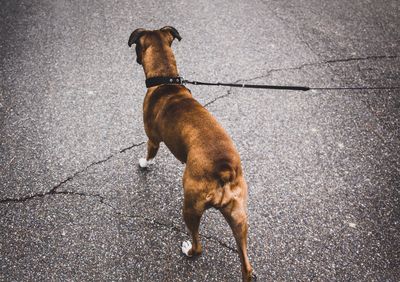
(323,167)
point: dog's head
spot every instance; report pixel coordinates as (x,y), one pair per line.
(145,38)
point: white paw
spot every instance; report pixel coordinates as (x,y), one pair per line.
(186,246)
(142,162)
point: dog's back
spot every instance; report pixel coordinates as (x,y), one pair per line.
(191,133)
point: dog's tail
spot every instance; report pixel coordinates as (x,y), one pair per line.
(226,191)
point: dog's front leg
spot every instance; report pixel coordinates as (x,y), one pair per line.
(152,149)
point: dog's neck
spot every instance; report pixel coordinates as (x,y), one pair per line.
(160,64)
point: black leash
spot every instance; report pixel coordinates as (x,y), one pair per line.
(155,81)
(277,87)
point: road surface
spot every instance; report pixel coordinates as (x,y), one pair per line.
(322,166)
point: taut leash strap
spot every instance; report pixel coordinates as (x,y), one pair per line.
(156,81)
(283,87)
(277,87)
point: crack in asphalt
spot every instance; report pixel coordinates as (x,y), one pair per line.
(53,190)
(361,58)
(332,61)
(162,224)
(229,92)
(102,200)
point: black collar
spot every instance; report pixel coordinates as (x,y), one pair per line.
(155,81)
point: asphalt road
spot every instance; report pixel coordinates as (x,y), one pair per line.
(323,167)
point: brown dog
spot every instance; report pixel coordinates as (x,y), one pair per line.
(213,175)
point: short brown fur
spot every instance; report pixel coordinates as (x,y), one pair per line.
(213,175)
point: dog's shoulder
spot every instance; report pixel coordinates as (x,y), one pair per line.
(164,92)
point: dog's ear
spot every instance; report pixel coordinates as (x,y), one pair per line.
(134,39)
(136,34)
(173,31)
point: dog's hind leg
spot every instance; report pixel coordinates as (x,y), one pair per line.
(152,149)
(235,215)
(192,212)
(192,219)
